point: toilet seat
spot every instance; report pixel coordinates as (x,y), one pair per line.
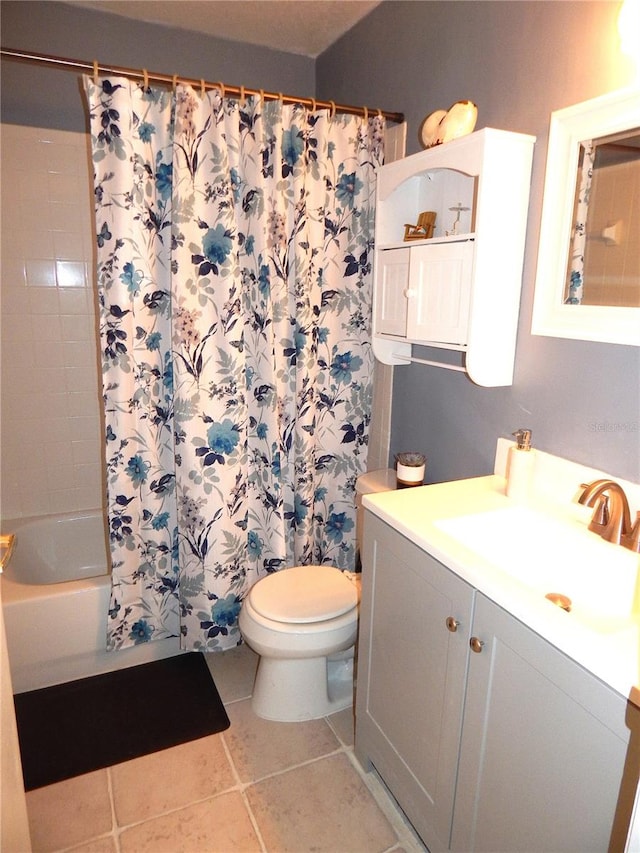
(304,594)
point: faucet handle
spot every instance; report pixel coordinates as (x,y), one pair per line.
(632,540)
(601,515)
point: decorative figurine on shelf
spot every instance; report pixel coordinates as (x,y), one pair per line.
(456,222)
(445,125)
(424,229)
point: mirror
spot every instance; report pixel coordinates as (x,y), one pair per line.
(588,276)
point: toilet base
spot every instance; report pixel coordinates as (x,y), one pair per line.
(289,691)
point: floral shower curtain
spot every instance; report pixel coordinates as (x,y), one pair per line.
(234,279)
(579,237)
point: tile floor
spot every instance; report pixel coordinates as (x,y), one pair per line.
(259,786)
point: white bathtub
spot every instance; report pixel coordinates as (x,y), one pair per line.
(55,598)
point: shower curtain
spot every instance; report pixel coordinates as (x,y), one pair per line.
(234,284)
(575,290)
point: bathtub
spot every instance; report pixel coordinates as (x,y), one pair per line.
(55,598)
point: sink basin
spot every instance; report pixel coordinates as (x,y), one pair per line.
(549,554)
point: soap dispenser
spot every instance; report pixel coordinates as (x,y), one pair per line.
(520,466)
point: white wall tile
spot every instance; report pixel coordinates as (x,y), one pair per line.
(34,243)
(13,275)
(85,428)
(64,187)
(60,477)
(75,301)
(79,353)
(77,328)
(14,296)
(71,274)
(51,421)
(61,452)
(34,218)
(30,186)
(32,156)
(84,451)
(41,272)
(68,217)
(58,429)
(68,246)
(87,475)
(50,356)
(17,330)
(46,327)
(69,159)
(81,402)
(44,300)
(82,379)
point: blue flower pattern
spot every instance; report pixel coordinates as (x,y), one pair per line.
(234,284)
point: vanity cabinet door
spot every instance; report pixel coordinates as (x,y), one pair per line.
(410,676)
(544,743)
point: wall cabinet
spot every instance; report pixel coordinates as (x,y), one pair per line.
(511,747)
(459,289)
(425,291)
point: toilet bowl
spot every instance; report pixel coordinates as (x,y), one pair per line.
(303,622)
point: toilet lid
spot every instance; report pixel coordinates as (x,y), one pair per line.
(304,594)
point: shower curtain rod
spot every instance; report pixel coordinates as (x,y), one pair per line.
(62,63)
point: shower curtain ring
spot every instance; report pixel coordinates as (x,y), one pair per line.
(242,97)
(333,108)
(95,71)
(174,82)
(145,78)
(313,105)
(202,88)
(221,87)
(366,114)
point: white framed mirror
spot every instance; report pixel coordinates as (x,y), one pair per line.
(588,275)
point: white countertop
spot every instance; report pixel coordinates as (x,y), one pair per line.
(611,655)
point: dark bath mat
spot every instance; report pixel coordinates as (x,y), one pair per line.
(85,725)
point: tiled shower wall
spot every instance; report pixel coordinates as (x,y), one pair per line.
(50,439)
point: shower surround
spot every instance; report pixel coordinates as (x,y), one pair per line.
(50,396)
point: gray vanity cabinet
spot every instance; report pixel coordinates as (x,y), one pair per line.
(489,737)
(544,744)
(411,676)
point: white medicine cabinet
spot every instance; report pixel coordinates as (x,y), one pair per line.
(459,288)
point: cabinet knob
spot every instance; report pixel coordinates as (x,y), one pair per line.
(452,624)
(476,645)
(410,293)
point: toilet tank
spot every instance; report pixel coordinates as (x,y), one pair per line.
(383,480)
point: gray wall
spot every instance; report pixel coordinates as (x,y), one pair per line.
(41,97)
(518,61)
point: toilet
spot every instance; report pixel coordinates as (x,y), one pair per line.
(303,623)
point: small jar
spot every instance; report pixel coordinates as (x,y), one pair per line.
(410,469)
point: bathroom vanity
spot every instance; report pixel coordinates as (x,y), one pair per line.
(498,721)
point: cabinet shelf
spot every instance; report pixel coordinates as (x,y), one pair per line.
(448,345)
(404,244)
(456,291)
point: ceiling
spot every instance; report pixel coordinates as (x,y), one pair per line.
(306,27)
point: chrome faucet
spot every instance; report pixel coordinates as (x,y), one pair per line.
(612,518)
